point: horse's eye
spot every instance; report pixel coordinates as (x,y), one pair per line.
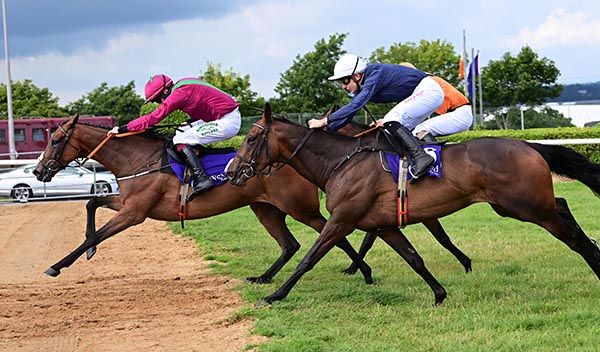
(251,139)
(55,142)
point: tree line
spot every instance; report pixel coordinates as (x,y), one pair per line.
(508,83)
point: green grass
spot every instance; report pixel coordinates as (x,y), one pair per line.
(527,291)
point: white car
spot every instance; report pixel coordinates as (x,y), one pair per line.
(21,184)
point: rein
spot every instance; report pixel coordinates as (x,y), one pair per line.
(248,166)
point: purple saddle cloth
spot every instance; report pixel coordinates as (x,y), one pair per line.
(434,170)
(213,164)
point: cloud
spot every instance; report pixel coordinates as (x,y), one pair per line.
(38,27)
(561,28)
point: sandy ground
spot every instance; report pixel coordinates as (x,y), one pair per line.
(145,290)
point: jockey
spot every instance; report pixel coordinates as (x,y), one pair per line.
(214,114)
(454,115)
(418,93)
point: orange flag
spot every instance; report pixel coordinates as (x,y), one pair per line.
(461,67)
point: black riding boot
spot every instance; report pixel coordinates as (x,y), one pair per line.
(200,181)
(422,160)
(429,138)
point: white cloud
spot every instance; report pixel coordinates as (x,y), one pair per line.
(561,28)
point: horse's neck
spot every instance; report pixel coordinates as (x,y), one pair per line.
(124,156)
(320,155)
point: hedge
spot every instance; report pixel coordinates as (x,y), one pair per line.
(592,151)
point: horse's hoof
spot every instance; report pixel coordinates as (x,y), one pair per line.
(52,272)
(90,253)
(258,280)
(261,304)
(439,299)
(350,271)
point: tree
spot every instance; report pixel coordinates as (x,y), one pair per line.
(122,102)
(235,85)
(29,100)
(436,57)
(532,118)
(524,79)
(304,86)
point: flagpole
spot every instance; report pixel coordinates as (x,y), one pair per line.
(480,91)
(472,73)
(11,127)
(465,61)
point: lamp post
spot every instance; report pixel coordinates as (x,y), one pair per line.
(11,126)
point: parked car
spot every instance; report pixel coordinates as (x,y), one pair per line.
(21,184)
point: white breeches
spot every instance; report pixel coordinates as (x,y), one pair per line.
(427,97)
(200,132)
(449,123)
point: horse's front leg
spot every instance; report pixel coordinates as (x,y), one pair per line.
(111,202)
(124,219)
(396,239)
(365,246)
(331,234)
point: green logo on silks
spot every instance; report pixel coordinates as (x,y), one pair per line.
(207,128)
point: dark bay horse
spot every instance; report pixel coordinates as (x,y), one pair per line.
(513,176)
(156,195)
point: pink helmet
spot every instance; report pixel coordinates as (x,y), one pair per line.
(156,85)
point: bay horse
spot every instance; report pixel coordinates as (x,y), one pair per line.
(513,176)
(155,196)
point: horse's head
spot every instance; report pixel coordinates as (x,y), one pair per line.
(59,152)
(255,154)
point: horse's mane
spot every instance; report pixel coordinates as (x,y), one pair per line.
(319,130)
(93,125)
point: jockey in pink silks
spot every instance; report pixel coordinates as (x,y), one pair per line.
(215,116)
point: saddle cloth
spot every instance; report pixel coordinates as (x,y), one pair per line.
(213,164)
(435,170)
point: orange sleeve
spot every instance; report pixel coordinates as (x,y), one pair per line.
(453,98)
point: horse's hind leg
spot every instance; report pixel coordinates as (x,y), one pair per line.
(396,240)
(436,229)
(111,202)
(567,230)
(561,224)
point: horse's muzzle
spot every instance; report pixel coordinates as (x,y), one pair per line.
(42,174)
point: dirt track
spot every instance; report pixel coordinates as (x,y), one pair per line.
(145,290)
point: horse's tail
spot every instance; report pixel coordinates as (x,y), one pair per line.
(565,161)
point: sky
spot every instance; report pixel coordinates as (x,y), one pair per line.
(72,46)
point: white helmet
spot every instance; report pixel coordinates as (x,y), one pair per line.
(347,65)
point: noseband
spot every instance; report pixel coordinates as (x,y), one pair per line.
(248,168)
(52,165)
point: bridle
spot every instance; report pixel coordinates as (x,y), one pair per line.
(248,168)
(52,165)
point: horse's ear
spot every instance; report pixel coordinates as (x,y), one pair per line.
(73,120)
(267,112)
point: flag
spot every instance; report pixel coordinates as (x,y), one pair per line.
(473,72)
(461,67)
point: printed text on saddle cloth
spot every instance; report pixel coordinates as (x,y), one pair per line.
(435,170)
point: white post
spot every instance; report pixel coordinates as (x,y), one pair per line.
(522,119)
(11,126)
